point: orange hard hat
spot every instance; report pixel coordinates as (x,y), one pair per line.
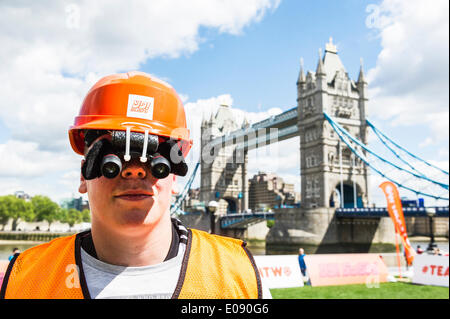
(134,100)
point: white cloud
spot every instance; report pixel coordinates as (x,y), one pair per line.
(282,158)
(108,35)
(426,142)
(25,167)
(24,159)
(443,153)
(409,84)
(52,52)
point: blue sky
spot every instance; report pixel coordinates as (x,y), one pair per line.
(260,66)
(247,53)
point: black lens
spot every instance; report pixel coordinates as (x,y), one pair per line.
(111,166)
(160,167)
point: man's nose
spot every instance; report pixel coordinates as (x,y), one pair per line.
(134,171)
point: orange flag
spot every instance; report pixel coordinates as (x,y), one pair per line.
(394,206)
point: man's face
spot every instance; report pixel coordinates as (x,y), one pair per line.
(131,201)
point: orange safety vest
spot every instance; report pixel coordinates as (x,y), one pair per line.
(213,267)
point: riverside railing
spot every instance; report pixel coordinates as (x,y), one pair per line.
(32,236)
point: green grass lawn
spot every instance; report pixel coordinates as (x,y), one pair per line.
(390,290)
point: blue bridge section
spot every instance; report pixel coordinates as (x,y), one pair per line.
(382,212)
(245,219)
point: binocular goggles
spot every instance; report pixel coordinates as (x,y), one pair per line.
(110,149)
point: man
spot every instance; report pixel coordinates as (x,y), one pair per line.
(419,250)
(14,251)
(301,261)
(132,132)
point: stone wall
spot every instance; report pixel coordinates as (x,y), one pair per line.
(293,226)
(56,226)
(420,226)
(202,221)
(321,232)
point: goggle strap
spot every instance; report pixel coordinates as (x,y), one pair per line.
(143,158)
(91,166)
(127,155)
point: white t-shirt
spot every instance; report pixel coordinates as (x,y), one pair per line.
(147,282)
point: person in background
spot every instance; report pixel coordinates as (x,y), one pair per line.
(419,250)
(14,251)
(437,252)
(301,261)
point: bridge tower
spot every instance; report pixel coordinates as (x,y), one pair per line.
(327,166)
(223,176)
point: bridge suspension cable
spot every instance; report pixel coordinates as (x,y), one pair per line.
(353,144)
(175,207)
(385,139)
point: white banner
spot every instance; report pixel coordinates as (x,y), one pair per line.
(279,271)
(431,270)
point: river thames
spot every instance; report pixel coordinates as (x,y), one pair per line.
(6,247)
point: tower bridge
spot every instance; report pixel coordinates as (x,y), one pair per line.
(330,120)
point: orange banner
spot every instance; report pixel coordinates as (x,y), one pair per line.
(395,209)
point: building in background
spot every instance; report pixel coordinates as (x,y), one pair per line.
(22,195)
(191,203)
(266,191)
(76,203)
(270,191)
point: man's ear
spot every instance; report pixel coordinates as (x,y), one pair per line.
(175,189)
(83,187)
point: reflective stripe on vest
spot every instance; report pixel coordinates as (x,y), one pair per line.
(213,267)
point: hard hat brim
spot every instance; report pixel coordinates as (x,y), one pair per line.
(116,123)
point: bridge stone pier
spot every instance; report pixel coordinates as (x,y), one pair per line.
(318,230)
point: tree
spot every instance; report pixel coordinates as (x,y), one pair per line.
(86,216)
(21,210)
(70,216)
(15,208)
(45,209)
(4,211)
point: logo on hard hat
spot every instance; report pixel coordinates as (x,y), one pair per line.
(140,106)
